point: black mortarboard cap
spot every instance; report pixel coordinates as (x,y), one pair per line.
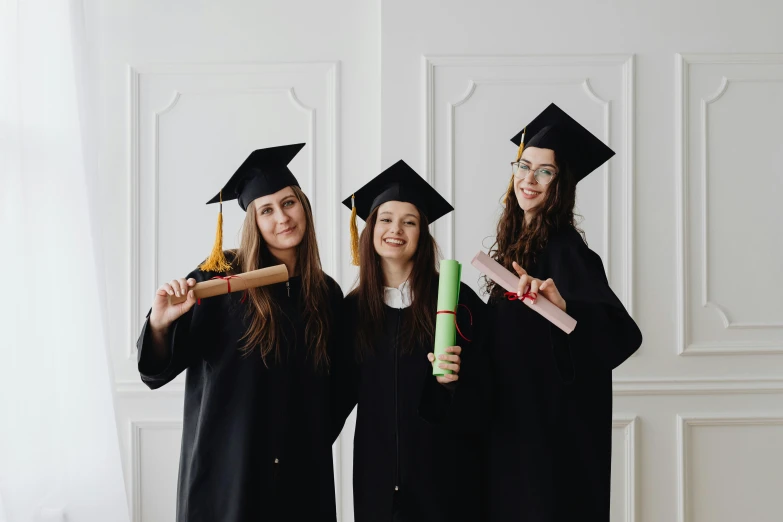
(264,172)
(572,143)
(397,183)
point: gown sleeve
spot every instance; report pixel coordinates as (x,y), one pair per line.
(605,331)
(183,346)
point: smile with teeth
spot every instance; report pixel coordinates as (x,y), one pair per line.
(530,192)
(392,241)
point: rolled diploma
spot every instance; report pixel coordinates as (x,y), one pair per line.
(510,282)
(237,282)
(445,323)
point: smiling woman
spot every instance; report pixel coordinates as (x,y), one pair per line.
(282,220)
(561,385)
(406,416)
(395,236)
(532,175)
(258,389)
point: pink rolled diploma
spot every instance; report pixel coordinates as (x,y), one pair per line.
(510,282)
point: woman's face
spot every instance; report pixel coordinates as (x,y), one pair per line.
(532,193)
(396,233)
(281,220)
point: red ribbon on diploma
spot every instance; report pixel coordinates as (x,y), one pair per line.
(452,312)
(228,282)
(513,296)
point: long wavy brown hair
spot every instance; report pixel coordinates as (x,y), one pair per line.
(369,290)
(516,241)
(264,315)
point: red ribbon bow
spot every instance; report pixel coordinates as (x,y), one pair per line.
(228,283)
(513,296)
(454,313)
(227,280)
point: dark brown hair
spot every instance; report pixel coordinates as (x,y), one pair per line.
(369,290)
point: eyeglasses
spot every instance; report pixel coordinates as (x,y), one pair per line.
(543,175)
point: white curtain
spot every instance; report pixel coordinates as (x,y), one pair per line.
(59,450)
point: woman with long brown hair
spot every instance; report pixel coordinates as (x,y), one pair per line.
(416,446)
(550,442)
(257,432)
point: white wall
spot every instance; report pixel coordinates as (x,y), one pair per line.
(444,85)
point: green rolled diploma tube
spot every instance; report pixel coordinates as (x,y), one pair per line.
(445,320)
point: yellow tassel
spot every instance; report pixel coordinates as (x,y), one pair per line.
(217,262)
(522,143)
(354,234)
(521,149)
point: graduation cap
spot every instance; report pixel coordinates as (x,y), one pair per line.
(264,172)
(397,183)
(555,129)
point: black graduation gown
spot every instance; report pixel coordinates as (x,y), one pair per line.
(417,446)
(550,442)
(256,441)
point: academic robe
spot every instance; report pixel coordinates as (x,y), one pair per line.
(551,428)
(418,448)
(256,440)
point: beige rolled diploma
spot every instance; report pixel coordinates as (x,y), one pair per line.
(234,283)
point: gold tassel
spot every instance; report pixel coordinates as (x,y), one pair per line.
(521,149)
(217,262)
(354,233)
(510,188)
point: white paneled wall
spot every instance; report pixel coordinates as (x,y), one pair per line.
(729,187)
(686,216)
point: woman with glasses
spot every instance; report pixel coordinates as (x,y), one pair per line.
(550,441)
